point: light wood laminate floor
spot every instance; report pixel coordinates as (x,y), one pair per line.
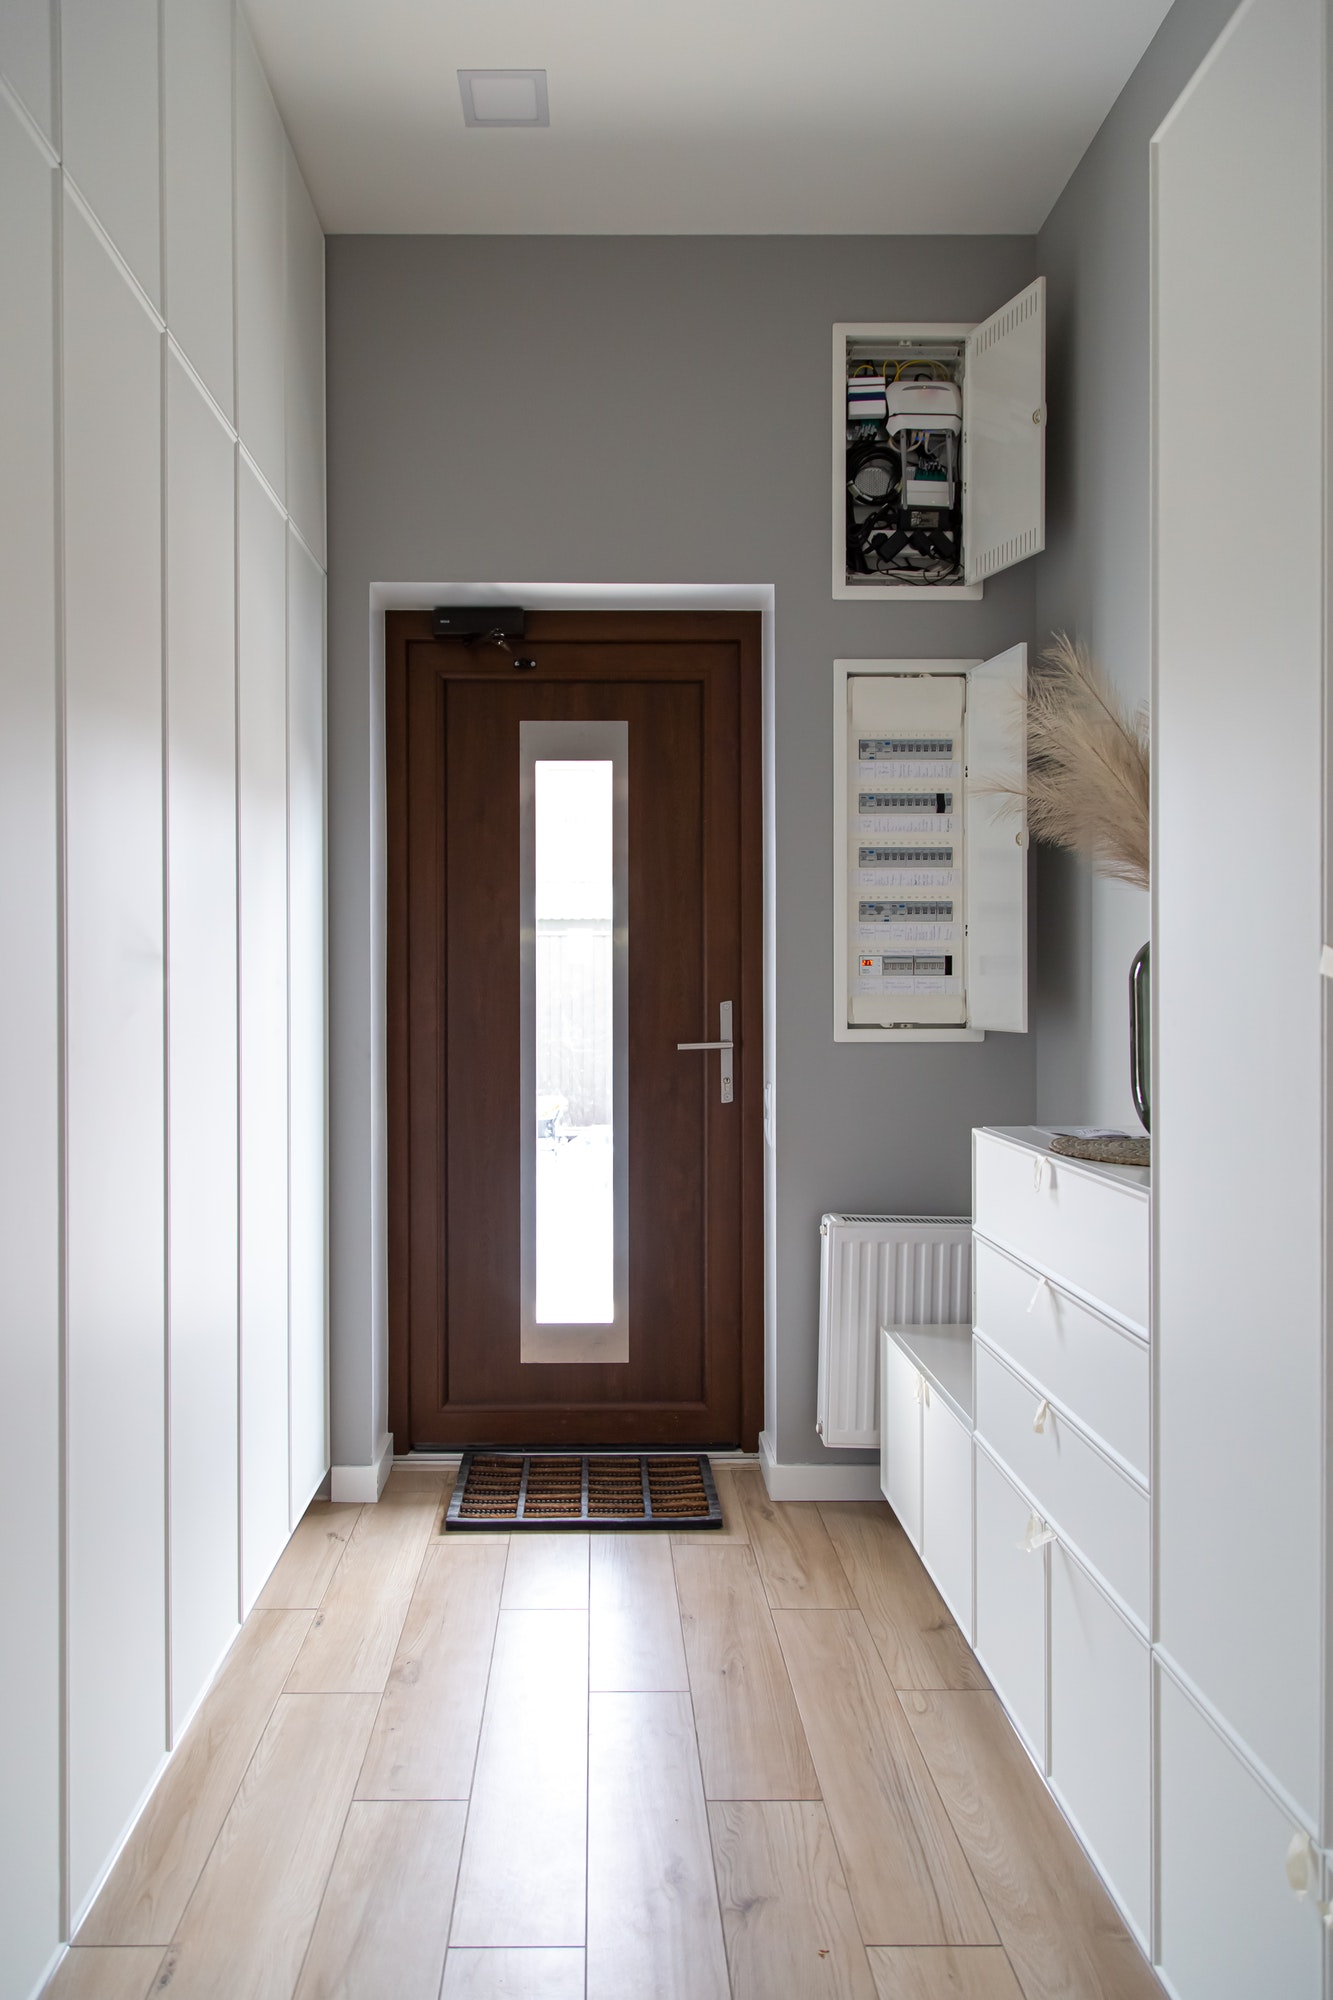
(755,1765)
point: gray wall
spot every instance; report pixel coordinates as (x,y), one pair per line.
(646,410)
(1093,580)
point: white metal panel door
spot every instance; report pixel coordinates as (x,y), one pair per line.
(1239,1061)
(900,1392)
(1004,436)
(995,892)
(946,1507)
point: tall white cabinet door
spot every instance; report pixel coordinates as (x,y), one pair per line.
(197,187)
(1228,1923)
(900,1394)
(261,274)
(261,753)
(995,890)
(201,1037)
(115,1248)
(109,114)
(29,1069)
(1004,436)
(1238,1150)
(307,1038)
(305,362)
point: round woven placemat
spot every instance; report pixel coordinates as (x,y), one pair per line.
(1108,1152)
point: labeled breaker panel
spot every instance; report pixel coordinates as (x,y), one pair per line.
(930,840)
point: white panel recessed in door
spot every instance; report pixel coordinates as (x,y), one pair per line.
(261,202)
(305,361)
(114,1008)
(201,1036)
(109,111)
(1239,1149)
(306,1036)
(196,184)
(25,57)
(29,1069)
(261,749)
(996,890)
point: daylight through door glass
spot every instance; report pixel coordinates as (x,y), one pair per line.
(574,1027)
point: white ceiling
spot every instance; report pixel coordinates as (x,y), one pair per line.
(708,117)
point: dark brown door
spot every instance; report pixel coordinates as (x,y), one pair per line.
(680,695)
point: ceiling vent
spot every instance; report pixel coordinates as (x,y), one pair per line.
(504,96)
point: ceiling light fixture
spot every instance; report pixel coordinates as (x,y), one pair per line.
(504,96)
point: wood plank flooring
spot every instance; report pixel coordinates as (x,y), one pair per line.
(754,1765)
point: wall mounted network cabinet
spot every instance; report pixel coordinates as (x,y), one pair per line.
(939,451)
(929,849)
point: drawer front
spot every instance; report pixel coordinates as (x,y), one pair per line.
(1011,1605)
(1086,1231)
(1090,1364)
(946,1507)
(1093,1504)
(900,1436)
(1101,1733)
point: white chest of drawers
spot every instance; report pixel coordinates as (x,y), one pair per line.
(1026,1489)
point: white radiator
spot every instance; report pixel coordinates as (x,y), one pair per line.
(874,1271)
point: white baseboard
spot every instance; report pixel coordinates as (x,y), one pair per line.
(363,1482)
(816,1482)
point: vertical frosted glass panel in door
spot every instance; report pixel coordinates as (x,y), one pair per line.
(261,754)
(197,187)
(29,1073)
(306,1032)
(201,1036)
(116,1448)
(110,124)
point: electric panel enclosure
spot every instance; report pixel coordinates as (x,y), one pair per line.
(930,849)
(939,451)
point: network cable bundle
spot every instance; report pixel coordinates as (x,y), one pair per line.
(904,484)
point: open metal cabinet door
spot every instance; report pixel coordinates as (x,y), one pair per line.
(996,892)
(1004,436)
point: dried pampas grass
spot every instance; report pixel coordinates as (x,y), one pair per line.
(1087,764)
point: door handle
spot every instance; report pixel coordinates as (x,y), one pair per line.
(725,1045)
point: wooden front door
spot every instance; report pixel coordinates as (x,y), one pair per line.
(486,1114)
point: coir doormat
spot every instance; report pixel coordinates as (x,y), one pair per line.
(519,1489)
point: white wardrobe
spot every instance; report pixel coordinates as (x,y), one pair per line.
(1241,896)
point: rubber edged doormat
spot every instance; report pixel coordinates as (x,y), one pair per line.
(519,1489)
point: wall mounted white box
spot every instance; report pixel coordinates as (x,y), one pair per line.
(1001,364)
(989,834)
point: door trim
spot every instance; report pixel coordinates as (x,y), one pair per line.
(402,629)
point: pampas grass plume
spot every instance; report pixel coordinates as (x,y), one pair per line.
(1087,764)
